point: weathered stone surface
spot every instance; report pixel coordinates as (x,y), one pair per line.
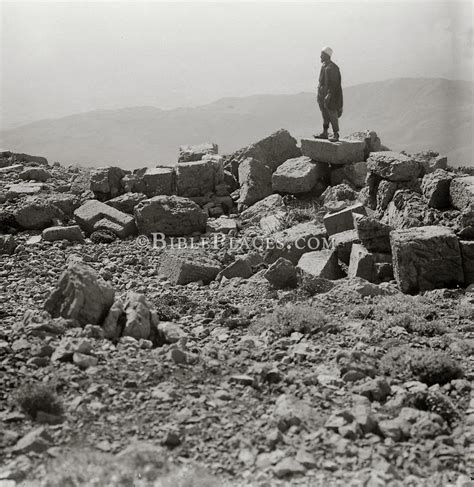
(190,153)
(159,181)
(335,194)
(393,166)
(271,151)
(24,189)
(364,263)
(11,168)
(270,205)
(321,263)
(351,174)
(105,182)
(223,224)
(36,213)
(171,215)
(461,192)
(293,242)
(130,315)
(426,258)
(195,178)
(406,210)
(342,243)
(126,202)
(371,140)
(281,274)
(387,189)
(13,157)
(467,255)
(435,188)
(8,244)
(373,234)
(294,176)
(35,174)
(72,233)
(342,152)
(94,215)
(341,221)
(238,268)
(430,161)
(182,266)
(255,180)
(37,441)
(273,223)
(80,295)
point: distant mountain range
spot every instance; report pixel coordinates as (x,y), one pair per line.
(408,114)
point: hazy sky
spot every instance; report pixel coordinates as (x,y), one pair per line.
(67,57)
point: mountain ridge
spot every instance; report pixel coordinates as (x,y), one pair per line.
(409,114)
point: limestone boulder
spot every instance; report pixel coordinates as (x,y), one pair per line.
(426,258)
(195,178)
(321,263)
(294,176)
(343,152)
(461,192)
(255,180)
(393,166)
(170,215)
(270,205)
(191,153)
(159,181)
(435,188)
(407,209)
(126,202)
(80,295)
(387,189)
(343,220)
(374,267)
(373,234)
(430,161)
(371,140)
(282,274)
(72,233)
(106,182)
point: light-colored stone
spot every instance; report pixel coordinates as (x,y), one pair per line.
(271,205)
(430,161)
(11,168)
(24,189)
(426,258)
(170,215)
(341,221)
(255,180)
(92,212)
(342,243)
(72,233)
(321,263)
(126,202)
(80,295)
(435,188)
(37,441)
(461,192)
(406,210)
(223,224)
(393,166)
(295,176)
(191,153)
(364,264)
(342,152)
(105,182)
(182,266)
(159,181)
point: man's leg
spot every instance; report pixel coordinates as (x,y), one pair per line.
(334,119)
(326,121)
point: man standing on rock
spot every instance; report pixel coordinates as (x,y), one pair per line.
(329,95)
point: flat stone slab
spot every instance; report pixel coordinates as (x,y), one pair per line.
(321,263)
(342,220)
(72,233)
(25,189)
(342,152)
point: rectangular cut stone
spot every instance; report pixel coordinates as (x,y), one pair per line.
(92,211)
(24,189)
(159,181)
(342,242)
(293,242)
(72,233)
(195,178)
(182,266)
(426,258)
(321,263)
(467,254)
(342,220)
(364,263)
(342,152)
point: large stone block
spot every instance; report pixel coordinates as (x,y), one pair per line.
(365,264)
(435,188)
(191,153)
(374,234)
(321,263)
(106,182)
(182,266)
(126,202)
(255,180)
(387,189)
(461,192)
(171,215)
(271,205)
(293,242)
(93,211)
(393,166)
(294,176)
(80,295)
(341,221)
(195,178)
(407,209)
(159,181)
(342,152)
(467,255)
(426,258)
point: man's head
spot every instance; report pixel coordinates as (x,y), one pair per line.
(326,54)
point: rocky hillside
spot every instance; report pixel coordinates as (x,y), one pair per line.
(410,114)
(286,314)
